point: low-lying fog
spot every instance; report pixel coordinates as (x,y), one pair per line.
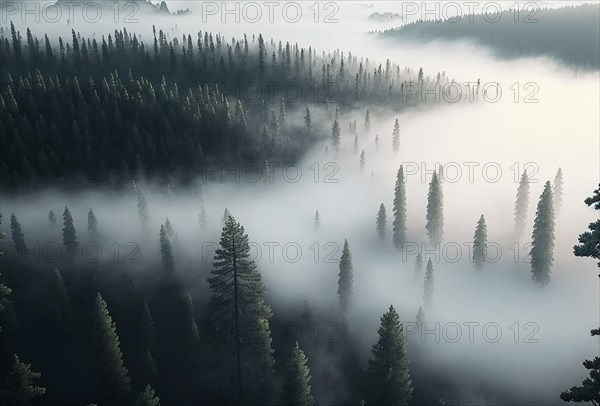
(559,130)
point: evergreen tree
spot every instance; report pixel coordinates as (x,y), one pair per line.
(399,226)
(240,313)
(419,264)
(296,380)
(381,222)
(336,135)
(52,217)
(149,370)
(113,380)
(428,286)
(202,219)
(148,398)
(17,235)
(420,319)
(558,191)
(367,121)
(68,231)
(142,207)
(396,136)
(480,243)
(317,221)
(589,391)
(92,223)
(307,123)
(355,144)
(522,203)
(166,251)
(18,386)
(169,229)
(362,161)
(542,244)
(388,380)
(345,285)
(62,302)
(435,214)
(226,215)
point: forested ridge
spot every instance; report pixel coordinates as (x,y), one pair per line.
(86,108)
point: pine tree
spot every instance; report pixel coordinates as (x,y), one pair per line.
(387,379)
(142,207)
(435,214)
(68,231)
(367,121)
(166,251)
(18,386)
(92,223)
(149,370)
(240,313)
(355,144)
(522,203)
(169,229)
(419,264)
(307,123)
(362,161)
(542,244)
(420,319)
(428,286)
(558,191)
(296,380)
(148,398)
(345,285)
(52,217)
(381,222)
(113,380)
(399,226)
(480,243)
(17,235)
(396,136)
(336,135)
(589,391)
(317,221)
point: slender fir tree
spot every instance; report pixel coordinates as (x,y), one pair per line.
(558,191)
(148,398)
(307,123)
(367,122)
(381,222)
(396,136)
(428,285)
(92,223)
(388,380)
(52,217)
(240,315)
(18,387)
(166,251)
(68,231)
(399,226)
(480,243)
(435,214)
(296,380)
(542,244)
(522,204)
(142,207)
(336,135)
(345,285)
(420,319)
(17,235)
(363,161)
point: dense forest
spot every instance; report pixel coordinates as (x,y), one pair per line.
(570,34)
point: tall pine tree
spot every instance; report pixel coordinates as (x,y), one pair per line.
(68,231)
(381,222)
(92,223)
(542,244)
(166,251)
(428,285)
(296,380)
(17,235)
(558,191)
(522,204)
(345,285)
(480,243)
(435,214)
(399,226)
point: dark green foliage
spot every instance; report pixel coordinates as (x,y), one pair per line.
(112,376)
(480,243)
(428,286)
(399,226)
(17,235)
(522,204)
(166,251)
(68,231)
(18,386)
(148,398)
(388,381)
(542,244)
(345,285)
(435,211)
(381,222)
(240,316)
(296,380)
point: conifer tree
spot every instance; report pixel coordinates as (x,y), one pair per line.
(419,264)
(345,285)
(317,221)
(18,386)
(542,244)
(522,203)
(307,123)
(367,121)
(387,379)
(68,231)
(146,345)
(142,207)
(52,217)
(420,319)
(435,214)
(296,380)
(399,226)
(480,243)
(381,222)
(240,314)
(148,398)
(166,251)
(356,144)
(336,135)
(169,229)
(202,219)
(396,136)
(362,161)
(113,380)
(62,302)
(17,235)
(428,286)
(226,215)
(558,191)
(589,391)
(92,223)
